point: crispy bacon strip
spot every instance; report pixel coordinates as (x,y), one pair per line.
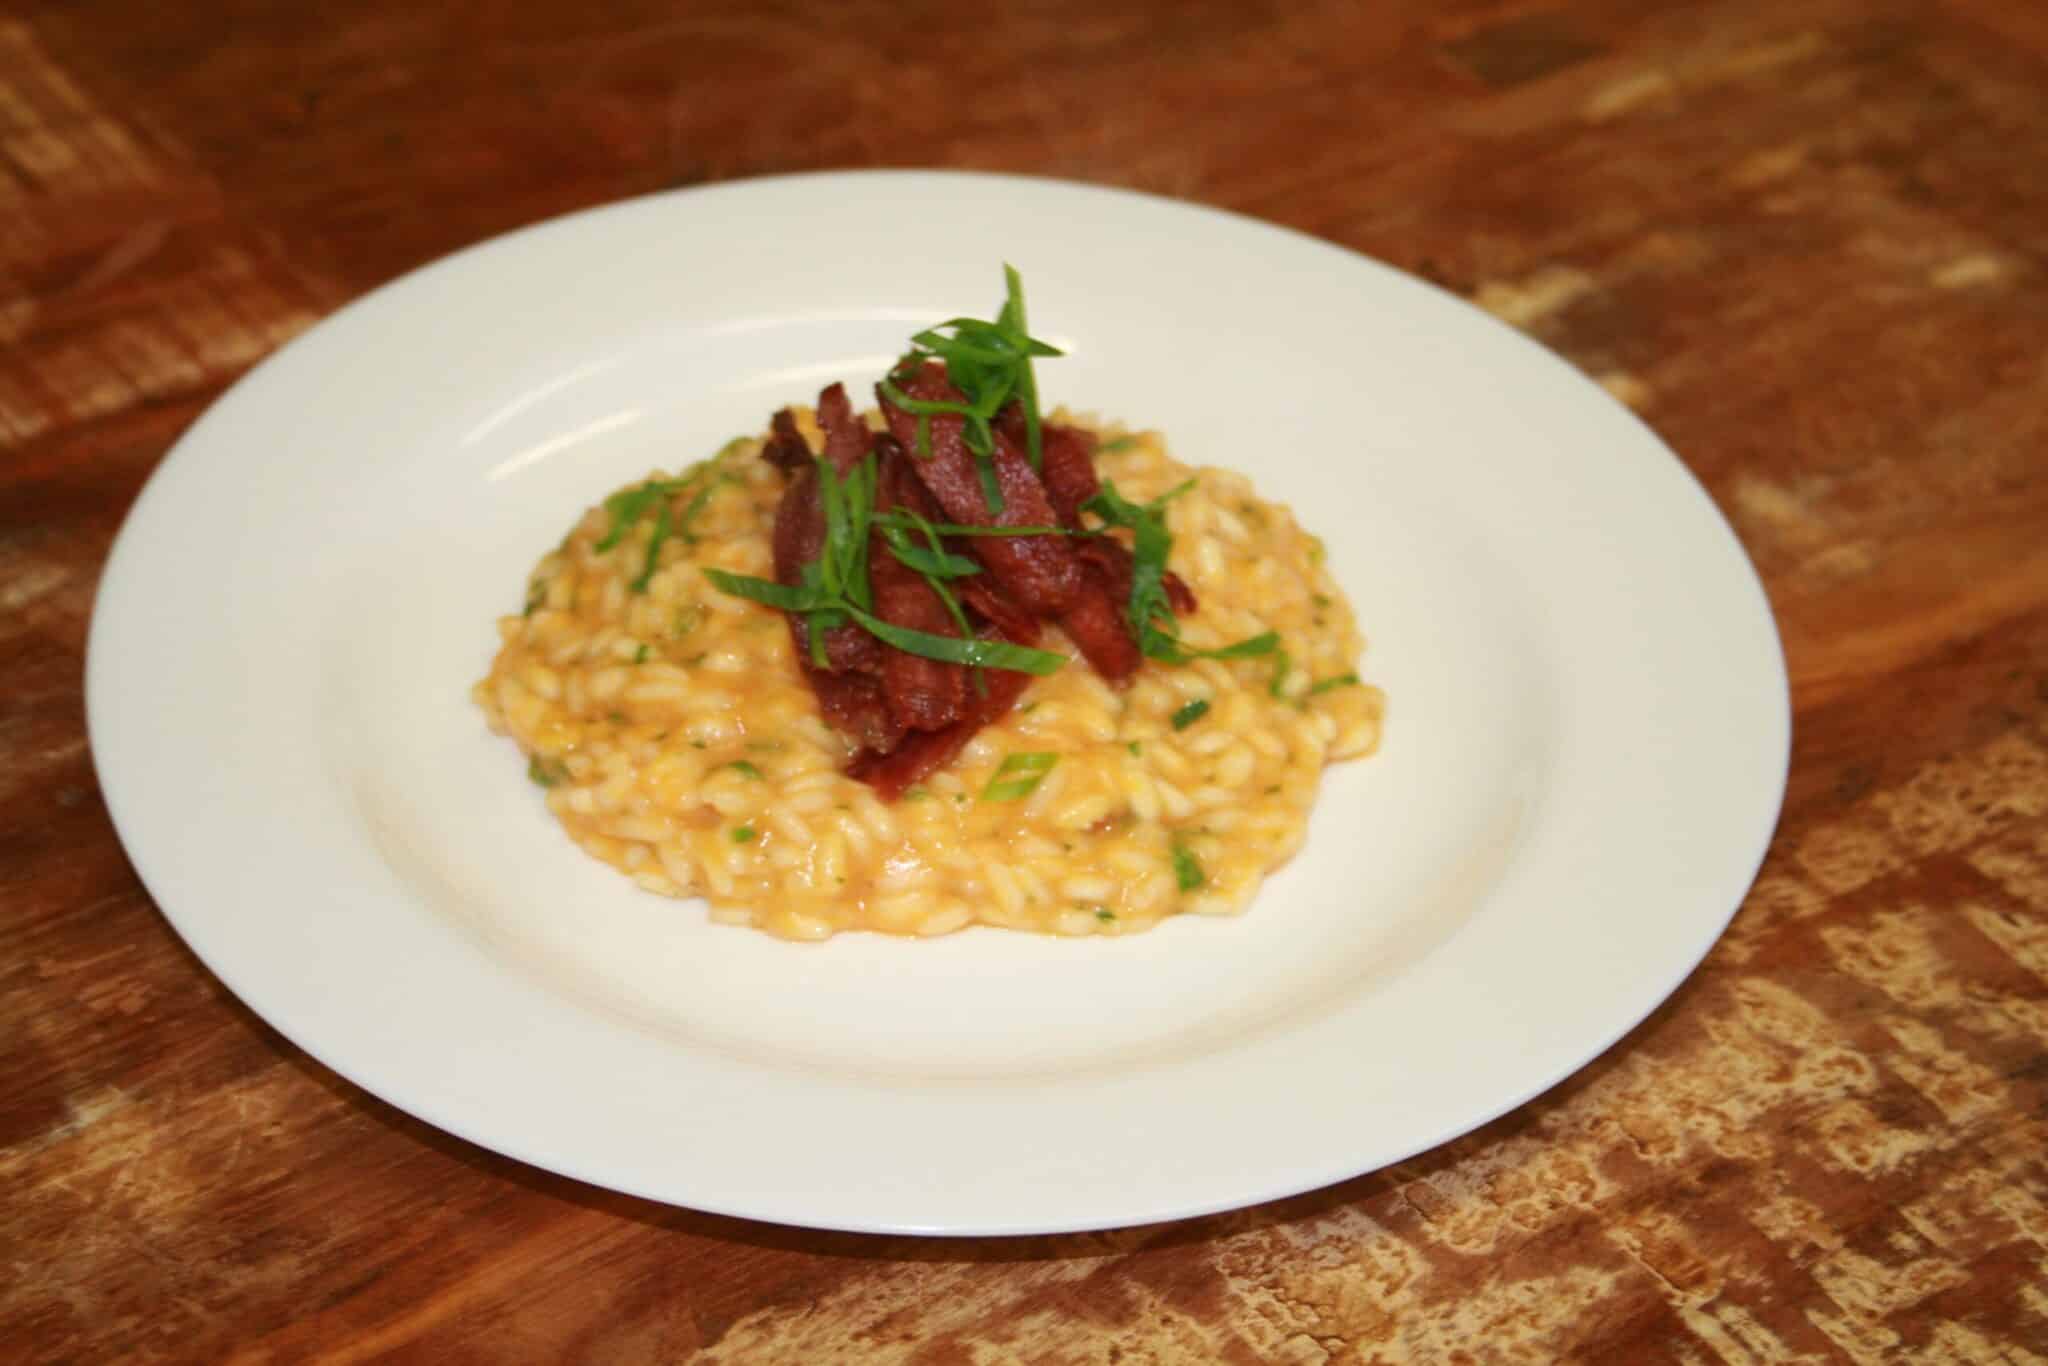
(923,694)
(785,448)
(1067,465)
(910,715)
(847,438)
(1039,571)
(799,533)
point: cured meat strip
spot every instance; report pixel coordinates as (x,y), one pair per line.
(1066,464)
(1038,571)
(854,705)
(923,694)
(1111,561)
(1068,468)
(799,533)
(785,448)
(923,753)
(847,438)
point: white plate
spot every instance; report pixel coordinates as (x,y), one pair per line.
(1585,753)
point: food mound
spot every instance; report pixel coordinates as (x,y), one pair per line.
(1030,673)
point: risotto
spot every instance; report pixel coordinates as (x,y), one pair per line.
(676,739)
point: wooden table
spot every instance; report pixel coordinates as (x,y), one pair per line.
(1807,239)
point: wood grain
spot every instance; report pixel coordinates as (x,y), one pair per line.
(1806,239)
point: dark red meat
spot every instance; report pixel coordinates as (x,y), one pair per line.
(1038,571)
(907,714)
(923,694)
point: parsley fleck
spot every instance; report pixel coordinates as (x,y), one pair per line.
(1191,713)
(742,834)
(1187,869)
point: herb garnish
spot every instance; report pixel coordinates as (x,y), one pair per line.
(990,364)
(628,506)
(546,772)
(1187,869)
(1191,713)
(1149,609)
(1029,770)
(1282,662)
(835,588)
(742,834)
(744,769)
(1340,681)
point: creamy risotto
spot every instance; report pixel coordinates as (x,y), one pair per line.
(676,738)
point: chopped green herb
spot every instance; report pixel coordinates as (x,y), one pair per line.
(536,596)
(546,772)
(1187,869)
(1149,609)
(1019,776)
(744,769)
(1135,747)
(640,655)
(742,834)
(628,506)
(991,654)
(1322,599)
(900,519)
(1104,913)
(990,364)
(1191,713)
(935,562)
(1340,681)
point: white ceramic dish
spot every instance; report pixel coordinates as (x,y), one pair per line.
(1585,753)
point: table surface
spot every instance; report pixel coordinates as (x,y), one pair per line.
(1806,239)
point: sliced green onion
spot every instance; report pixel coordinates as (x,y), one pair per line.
(989,654)
(934,562)
(901,519)
(769,593)
(1249,648)
(1018,776)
